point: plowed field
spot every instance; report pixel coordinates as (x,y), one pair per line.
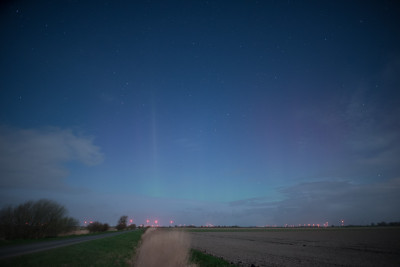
(303,247)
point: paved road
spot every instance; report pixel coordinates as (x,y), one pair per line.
(17,250)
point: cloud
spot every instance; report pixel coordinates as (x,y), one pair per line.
(357,203)
(371,117)
(33,158)
(302,203)
(313,202)
(360,128)
(373,138)
(318,202)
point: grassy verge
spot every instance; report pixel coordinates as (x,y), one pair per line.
(205,260)
(109,251)
(16,242)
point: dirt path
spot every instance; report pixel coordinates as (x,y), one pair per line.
(341,247)
(164,247)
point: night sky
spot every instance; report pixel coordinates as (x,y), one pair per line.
(203,112)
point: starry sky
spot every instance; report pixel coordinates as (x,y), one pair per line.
(203,112)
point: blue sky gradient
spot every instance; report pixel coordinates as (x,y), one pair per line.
(203,112)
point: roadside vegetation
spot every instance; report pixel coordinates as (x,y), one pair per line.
(18,242)
(205,260)
(110,251)
(98,227)
(35,219)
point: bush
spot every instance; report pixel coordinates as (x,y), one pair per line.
(98,227)
(122,222)
(39,219)
(132,227)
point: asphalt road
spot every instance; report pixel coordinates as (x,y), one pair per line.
(17,250)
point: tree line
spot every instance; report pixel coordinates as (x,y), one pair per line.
(121,225)
(45,218)
(35,219)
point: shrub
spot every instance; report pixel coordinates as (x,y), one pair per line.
(98,227)
(31,219)
(132,227)
(122,222)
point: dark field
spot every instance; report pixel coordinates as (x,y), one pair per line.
(303,247)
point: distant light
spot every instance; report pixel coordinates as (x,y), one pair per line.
(156,221)
(171,221)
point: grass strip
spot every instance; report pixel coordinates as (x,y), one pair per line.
(17,242)
(109,251)
(206,260)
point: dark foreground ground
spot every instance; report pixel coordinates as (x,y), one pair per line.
(17,250)
(304,247)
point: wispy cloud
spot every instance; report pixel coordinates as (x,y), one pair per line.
(317,202)
(35,158)
(358,203)
(373,139)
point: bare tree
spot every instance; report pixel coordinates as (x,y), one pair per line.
(38,219)
(122,222)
